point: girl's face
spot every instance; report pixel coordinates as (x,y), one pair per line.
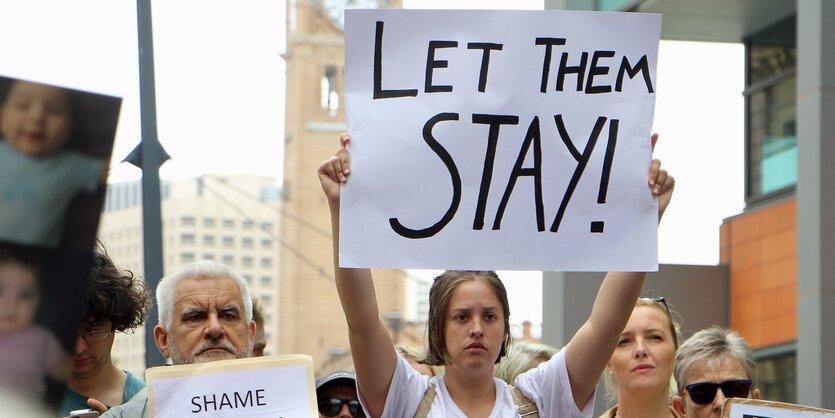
(36,119)
(19,297)
(643,359)
(474,327)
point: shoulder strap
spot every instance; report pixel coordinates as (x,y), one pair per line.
(525,406)
(426,402)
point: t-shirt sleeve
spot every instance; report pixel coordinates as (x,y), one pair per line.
(548,386)
(405,393)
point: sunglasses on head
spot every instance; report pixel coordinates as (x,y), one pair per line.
(704,392)
(658,299)
(330,407)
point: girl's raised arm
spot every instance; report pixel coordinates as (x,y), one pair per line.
(593,344)
(371,346)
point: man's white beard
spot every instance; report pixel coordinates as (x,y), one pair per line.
(198,356)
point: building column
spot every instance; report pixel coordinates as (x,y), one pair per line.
(816,203)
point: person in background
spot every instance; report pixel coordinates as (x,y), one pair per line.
(260,342)
(522,357)
(117,301)
(336,396)
(640,370)
(712,365)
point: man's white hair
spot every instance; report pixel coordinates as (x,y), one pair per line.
(199,270)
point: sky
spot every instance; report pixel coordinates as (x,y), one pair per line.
(220,100)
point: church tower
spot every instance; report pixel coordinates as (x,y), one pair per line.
(310,317)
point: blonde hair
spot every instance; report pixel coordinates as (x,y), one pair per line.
(519,359)
(674,328)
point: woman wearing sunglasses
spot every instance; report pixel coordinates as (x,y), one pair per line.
(468,333)
(640,370)
(712,365)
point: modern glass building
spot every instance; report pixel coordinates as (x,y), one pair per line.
(777,274)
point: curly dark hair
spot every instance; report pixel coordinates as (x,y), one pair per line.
(115,295)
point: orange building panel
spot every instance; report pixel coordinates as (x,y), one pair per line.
(760,248)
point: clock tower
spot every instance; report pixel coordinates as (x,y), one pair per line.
(310,317)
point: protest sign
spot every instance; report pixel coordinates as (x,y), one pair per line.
(55,147)
(755,408)
(274,386)
(499,140)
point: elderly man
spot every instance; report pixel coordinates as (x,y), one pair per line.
(205,314)
(336,396)
(712,365)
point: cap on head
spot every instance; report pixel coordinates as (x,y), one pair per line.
(340,377)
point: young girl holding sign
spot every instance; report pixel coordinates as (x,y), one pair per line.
(469,332)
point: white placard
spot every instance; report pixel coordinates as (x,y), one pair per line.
(472,147)
(275,386)
(753,408)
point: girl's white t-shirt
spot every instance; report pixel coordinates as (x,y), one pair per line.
(546,385)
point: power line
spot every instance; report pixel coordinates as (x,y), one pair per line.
(281,210)
(310,263)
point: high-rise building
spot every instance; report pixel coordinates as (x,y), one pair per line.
(310,316)
(229,219)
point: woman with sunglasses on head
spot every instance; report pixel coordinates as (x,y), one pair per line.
(469,332)
(639,372)
(711,366)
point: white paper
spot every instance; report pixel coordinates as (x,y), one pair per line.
(270,392)
(754,411)
(396,175)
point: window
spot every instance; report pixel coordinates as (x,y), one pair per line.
(228,241)
(209,256)
(266,262)
(771,111)
(247,278)
(777,380)
(228,259)
(209,240)
(187,221)
(209,222)
(187,257)
(266,299)
(266,281)
(247,224)
(228,223)
(267,226)
(773,138)
(246,242)
(266,243)
(246,261)
(187,239)
(329,93)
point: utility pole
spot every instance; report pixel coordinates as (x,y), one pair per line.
(149,156)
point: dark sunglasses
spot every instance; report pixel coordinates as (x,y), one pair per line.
(330,407)
(658,299)
(704,392)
